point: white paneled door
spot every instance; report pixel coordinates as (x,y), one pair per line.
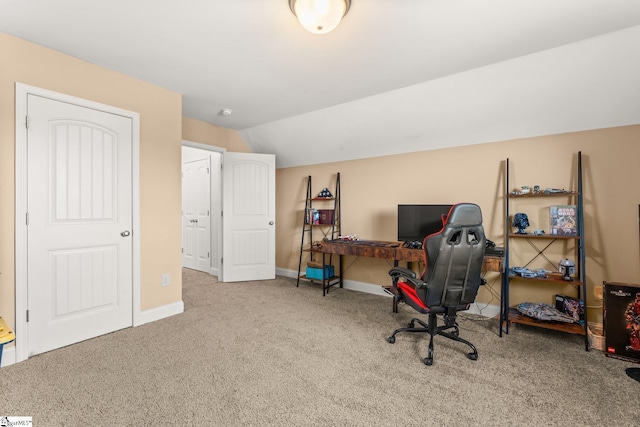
(248,219)
(196,220)
(79,244)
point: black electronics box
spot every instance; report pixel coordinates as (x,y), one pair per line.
(494,251)
(573,307)
(622,321)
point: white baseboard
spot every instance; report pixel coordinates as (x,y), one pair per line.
(482,309)
(161,312)
(146,316)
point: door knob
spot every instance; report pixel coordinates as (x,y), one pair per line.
(270,222)
(125,233)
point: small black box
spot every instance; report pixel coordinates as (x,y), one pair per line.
(574,307)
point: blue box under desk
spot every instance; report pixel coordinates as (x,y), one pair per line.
(316,273)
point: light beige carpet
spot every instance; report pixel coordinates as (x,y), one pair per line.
(268,353)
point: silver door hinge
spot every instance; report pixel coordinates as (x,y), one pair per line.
(207,254)
(26,121)
(27,315)
(182,250)
(221,259)
(207,171)
(27,218)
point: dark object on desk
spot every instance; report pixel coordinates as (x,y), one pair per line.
(496,251)
(416,244)
(450,281)
(492,249)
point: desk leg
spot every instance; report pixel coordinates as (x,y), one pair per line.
(324,281)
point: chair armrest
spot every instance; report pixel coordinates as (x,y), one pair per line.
(396,272)
(417,283)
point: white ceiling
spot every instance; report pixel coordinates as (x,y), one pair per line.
(395,76)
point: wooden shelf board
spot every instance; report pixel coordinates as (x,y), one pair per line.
(543,236)
(330,279)
(532,195)
(550,279)
(573,328)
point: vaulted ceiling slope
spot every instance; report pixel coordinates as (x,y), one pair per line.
(394,77)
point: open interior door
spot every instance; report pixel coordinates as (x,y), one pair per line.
(248,230)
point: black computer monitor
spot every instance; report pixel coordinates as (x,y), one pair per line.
(415,222)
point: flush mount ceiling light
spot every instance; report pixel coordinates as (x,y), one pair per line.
(319,16)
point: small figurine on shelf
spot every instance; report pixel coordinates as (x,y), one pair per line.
(324,194)
(567,267)
(521,221)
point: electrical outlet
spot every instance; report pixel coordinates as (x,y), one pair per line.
(597,292)
(166,279)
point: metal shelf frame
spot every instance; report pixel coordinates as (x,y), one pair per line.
(328,231)
(509,315)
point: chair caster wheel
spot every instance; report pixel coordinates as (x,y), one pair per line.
(472,356)
(428,361)
(411,324)
(391,340)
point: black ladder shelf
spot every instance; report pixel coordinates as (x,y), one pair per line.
(540,244)
(326,229)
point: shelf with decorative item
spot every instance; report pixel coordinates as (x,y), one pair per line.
(542,236)
(542,194)
(573,328)
(555,278)
(321,221)
(564,238)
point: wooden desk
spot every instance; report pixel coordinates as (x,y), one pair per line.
(385,250)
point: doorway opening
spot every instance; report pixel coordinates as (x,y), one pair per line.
(201,207)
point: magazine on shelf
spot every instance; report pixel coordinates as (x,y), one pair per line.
(563,220)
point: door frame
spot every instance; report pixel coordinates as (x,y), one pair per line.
(21,176)
(215,227)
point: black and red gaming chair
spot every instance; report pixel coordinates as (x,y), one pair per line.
(450,280)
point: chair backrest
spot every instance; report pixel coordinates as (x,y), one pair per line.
(453,259)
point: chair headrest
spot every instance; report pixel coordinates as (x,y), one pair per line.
(465,214)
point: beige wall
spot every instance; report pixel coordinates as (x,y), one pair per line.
(372,189)
(205,133)
(160,144)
